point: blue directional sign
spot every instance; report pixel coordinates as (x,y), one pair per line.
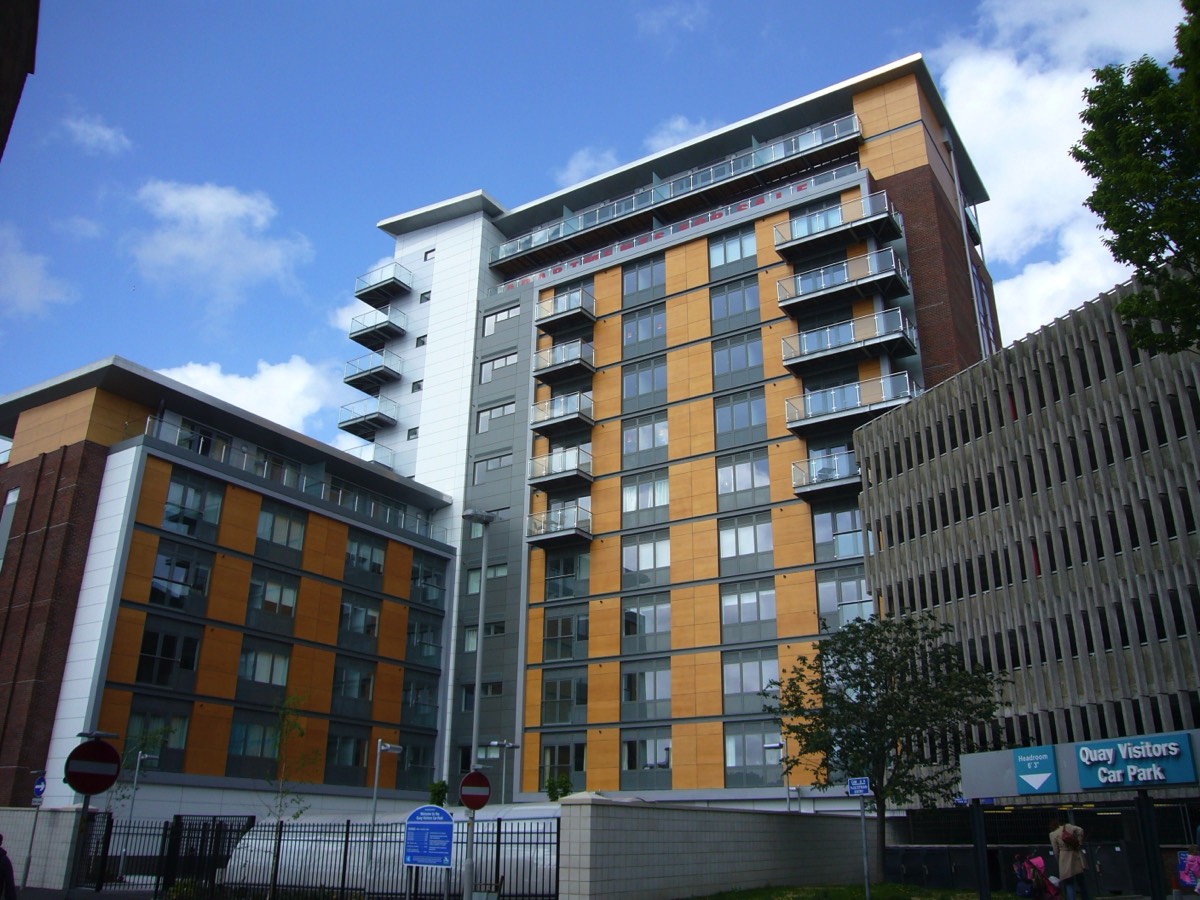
(858,787)
(428,837)
(1139,762)
(39,786)
(1035,770)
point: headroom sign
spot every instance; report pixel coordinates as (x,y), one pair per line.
(1138,762)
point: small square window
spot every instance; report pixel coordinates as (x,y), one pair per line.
(412,433)
(429,254)
(421,340)
(425,295)
(418,385)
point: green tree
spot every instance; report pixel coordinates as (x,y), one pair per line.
(293,763)
(1141,144)
(889,699)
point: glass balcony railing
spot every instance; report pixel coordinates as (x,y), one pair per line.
(580,299)
(861,395)
(860,268)
(375,453)
(847,334)
(817,469)
(646,197)
(561,462)
(378,318)
(562,354)
(370,408)
(384,362)
(579,404)
(388,273)
(571,517)
(826,219)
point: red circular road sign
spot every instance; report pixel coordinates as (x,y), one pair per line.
(92,767)
(475,790)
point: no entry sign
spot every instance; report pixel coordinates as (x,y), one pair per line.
(475,790)
(92,767)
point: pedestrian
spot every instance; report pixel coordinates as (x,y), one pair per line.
(8,885)
(1066,843)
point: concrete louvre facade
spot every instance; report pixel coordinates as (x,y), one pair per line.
(1044,502)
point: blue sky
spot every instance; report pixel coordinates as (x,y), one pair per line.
(195,186)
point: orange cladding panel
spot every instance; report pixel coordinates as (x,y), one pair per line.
(604,691)
(603,759)
(239,519)
(230,589)
(153,494)
(325,546)
(217,670)
(208,739)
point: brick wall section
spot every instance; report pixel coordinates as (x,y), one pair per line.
(941,282)
(39,588)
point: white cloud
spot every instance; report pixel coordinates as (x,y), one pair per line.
(80,226)
(341,316)
(214,241)
(94,137)
(289,393)
(1015,98)
(26,286)
(583,164)
(676,130)
(669,18)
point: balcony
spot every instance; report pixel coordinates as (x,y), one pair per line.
(856,220)
(380,286)
(572,359)
(565,524)
(889,330)
(371,372)
(566,310)
(880,272)
(569,412)
(375,328)
(365,417)
(563,468)
(837,470)
(380,454)
(859,399)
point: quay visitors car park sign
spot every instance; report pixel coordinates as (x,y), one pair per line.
(1139,762)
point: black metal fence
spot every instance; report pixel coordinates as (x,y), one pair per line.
(195,858)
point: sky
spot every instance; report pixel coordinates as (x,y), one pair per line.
(195,185)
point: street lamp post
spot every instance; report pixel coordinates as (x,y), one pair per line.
(137,771)
(504,746)
(787,781)
(484,519)
(381,747)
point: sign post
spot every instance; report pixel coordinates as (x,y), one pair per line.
(474,791)
(39,788)
(860,787)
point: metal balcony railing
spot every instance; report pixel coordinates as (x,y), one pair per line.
(578,404)
(579,299)
(371,407)
(842,274)
(847,334)
(577,351)
(379,318)
(383,362)
(846,213)
(386,275)
(561,462)
(571,517)
(861,395)
(817,469)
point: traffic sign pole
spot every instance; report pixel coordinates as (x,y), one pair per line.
(474,791)
(860,787)
(39,788)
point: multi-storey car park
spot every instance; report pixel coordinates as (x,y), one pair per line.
(651,379)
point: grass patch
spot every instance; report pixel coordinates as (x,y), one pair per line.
(846,892)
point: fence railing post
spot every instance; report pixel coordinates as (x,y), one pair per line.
(345,862)
(275,862)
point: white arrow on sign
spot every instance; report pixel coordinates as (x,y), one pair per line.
(1036,781)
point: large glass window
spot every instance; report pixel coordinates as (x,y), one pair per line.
(646,623)
(741,418)
(491,320)
(644,440)
(273,593)
(566,633)
(837,532)
(747,761)
(253,739)
(734,305)
(564,754)
(745,675)
(645,758)
(567,574)
(645,690)
(428,581)
(360,614)
(644,330)
(193,505)
(644,384)
(365,554)
(488,368)
(419,705)
(168,655)
(281,526)
(181,577)
(748,610)
(486,417)
(743,479)
(499,570)
(731,253)
(737,360)
(643,281)
(646,559)
(746,544)
(265,664)
(564,696)
(346,751)
(424,637)
(842,596)
(644,498)
(353,679)
(159,727)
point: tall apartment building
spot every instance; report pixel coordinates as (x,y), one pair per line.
(176,572)
(1044,503)
(653,377)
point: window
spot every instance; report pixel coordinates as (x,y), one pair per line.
(265,665)
(193,505)
(346,751)
(743,479)
(281,525)
(413,432)
(745,544)
(499,570)
(644,498)
(484,418)
(731,253)
(643,281)
(426,296)
(471,634)
(353,679)
(747,761)
(734,305)
(491,320)
(567,573)
(273,592)
(565,634)
(422,340)
(160,731)
(165,655)
(6,519)
(253,739)
(748,610)
(564,697)
(484,467)
(842,596)
(181,577)
(837,533)
(488,368)
(424,637)
(467,698)
(475,529)
(644,331)
(646,623)
(365,556)
(740,418)
(646,690)
(745,675)
(737,360)
(359,615)
(564,754)
(418,385)
(428,580)
(644,440)
(430,253)
(645,759)
(492,688)
(419,705)
(644,384)
(646,559)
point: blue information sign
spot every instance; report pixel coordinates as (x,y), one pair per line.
(39,786)
(858,787)
(1140,762)
(428,837)
(1035,770)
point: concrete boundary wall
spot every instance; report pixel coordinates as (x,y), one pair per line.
(616,848)
(56,831)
